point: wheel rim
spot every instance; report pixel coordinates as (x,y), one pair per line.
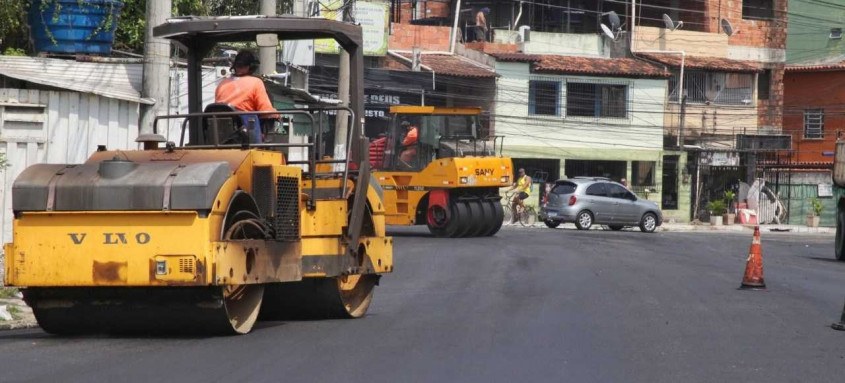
(649,222)
(437,216)
(585,220)
(356,293)
(242,304)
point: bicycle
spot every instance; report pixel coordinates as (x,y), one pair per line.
(526,214)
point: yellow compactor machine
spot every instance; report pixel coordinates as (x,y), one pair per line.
(438,168)
(210,236)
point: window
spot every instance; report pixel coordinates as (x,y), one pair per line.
(596,100)
(597,189)
(723,88)
(642,173)
(758,9)
(617,191)
(764,80)
(543,98)
(564,188)
(814,123)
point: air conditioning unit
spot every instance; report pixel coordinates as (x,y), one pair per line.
(524,34)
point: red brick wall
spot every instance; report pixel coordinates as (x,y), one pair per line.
(770,112)
(809,91)
(429,38)
(748,32)
(425,9)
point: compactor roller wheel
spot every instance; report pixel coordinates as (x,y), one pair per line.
(476,223)
(319,298)
(499,219)
(488,218)
(147,310)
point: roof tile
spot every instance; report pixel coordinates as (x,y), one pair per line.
(598,66)
(700,62)
(454,65)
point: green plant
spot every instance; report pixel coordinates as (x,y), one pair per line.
(8,292)
(729,198)
(816,206)
(14,52)
(716,207)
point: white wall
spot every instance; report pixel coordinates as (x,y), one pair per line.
(57,127)
(545,43)
(641,130)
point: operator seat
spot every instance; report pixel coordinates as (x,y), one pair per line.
(217,130)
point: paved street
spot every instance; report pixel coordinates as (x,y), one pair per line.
(528,305)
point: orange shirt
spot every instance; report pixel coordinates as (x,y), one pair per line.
(245,93)
(411,137)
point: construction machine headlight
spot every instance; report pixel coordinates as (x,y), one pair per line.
(464,180)
(506,179)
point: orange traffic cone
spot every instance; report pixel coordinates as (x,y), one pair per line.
(753,278)
(841,325)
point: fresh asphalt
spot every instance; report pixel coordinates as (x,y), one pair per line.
(528,305)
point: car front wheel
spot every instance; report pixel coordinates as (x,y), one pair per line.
(584,220)
(648,224)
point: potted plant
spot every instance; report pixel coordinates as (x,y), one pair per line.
(716,208)
(814,215)
(730,215)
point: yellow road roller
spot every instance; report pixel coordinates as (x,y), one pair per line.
(211,235)
(438,168)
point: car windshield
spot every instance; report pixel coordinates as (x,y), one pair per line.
(564,188)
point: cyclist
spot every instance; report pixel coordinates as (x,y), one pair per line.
(523,188)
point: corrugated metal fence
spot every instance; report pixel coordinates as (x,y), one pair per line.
(38,126)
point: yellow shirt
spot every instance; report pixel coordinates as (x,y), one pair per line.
(523,185)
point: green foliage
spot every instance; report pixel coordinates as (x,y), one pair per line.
(716,207)
(729,198)
(8,292)
(816,206)
(14,52)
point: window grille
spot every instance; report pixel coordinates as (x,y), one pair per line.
(722,88)
(596,100)
(814,123)
(758,9)
(544,98)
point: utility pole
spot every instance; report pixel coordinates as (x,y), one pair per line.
(342,117)
(681,123)
(156,66)
(267,55)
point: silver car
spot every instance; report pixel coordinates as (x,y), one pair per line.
(588,200)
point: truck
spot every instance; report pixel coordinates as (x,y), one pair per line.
(448,177)
(214,234)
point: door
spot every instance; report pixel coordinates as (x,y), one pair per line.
(625,209)
(596,200)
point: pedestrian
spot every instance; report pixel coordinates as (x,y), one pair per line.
(245,92)
(481,27)
(624,182)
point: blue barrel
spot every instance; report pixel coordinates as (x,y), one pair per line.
(74,26)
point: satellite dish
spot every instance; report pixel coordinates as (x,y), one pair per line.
(608,32)
(670,25)
(727,27)
(615,23)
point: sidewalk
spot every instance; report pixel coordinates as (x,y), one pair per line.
(772,228)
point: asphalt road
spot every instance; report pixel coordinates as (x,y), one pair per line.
(529,305)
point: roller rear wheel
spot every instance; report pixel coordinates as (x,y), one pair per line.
(319,298)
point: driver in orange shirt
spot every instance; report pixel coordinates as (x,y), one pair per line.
(409,144)
(246,92)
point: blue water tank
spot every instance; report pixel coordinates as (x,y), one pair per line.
(74,26)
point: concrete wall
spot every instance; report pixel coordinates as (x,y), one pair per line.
(692,42)
(808,37)
(571,44)
(642,129)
